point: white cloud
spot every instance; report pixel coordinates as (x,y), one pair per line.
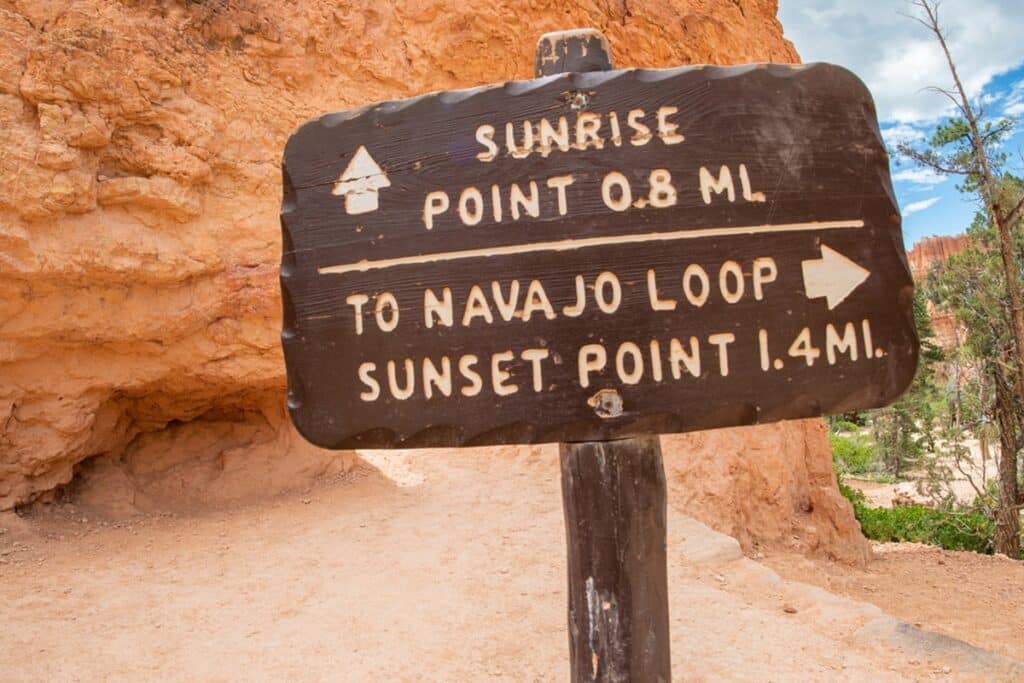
(1014,105)
(987,98)
(914,207)
(902,132)
(919,176)
(898,57)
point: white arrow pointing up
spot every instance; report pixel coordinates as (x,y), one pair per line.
(360,182)
(833,276)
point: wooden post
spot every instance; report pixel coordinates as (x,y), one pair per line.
(614,498)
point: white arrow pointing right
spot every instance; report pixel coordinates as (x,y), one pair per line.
(833,276)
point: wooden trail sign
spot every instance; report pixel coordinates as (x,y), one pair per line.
(590,256)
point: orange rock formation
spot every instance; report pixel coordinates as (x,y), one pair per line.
(931,250)
(139,238)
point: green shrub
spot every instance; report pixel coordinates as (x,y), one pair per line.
(852,454)
(918,524)
(845,426)
(851,494)
(847,422)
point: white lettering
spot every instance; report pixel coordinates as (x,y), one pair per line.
(548,135)
(476,383)
(506,307)
(677,356)
(474,216)
(663,192)
(745,186)
(869,344)
(591,358)
(657,304)
(656,360)
(432,378)
(476,306)
(666,130)
(485,136)
(537,300)
(614,178)
(802,346)
(694,271)
(402,393)
(587,126)
(441,309)
(534,357)
(386,301)
(496,203)
(510,141)
(517,199)
(762,344)
(372,385)
(764,272)
(637,361)
(642,134)
(734,294)
(722,340)
(435,204)
(576,309)
(559,183)
(723,183)
(845,344)
(613,122)
(500,376)
(356,301)
(604,281)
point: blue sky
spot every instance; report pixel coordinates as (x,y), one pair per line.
(898,58)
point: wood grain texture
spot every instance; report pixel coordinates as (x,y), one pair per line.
(614,500)
(808,139)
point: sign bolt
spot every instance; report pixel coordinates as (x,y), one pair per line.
(607,403)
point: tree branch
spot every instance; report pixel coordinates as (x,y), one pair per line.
(952,96)
(957,457)
(931,163)
(1013,214)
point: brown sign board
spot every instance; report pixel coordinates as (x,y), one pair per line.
(593,255)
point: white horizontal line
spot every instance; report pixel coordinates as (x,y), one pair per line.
(582,242)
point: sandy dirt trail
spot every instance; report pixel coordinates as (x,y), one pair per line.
(458,575)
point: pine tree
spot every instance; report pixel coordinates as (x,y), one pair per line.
(968,146)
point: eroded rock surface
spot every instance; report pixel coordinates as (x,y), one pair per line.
(925,254)
(139,237)
(934,249)
(768,486)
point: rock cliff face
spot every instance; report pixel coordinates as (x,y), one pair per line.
(139,192)
(931,250)
(768,486)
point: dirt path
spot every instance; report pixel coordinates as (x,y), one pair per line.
(976,598)
(457,576)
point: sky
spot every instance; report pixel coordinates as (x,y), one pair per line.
(898,58)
